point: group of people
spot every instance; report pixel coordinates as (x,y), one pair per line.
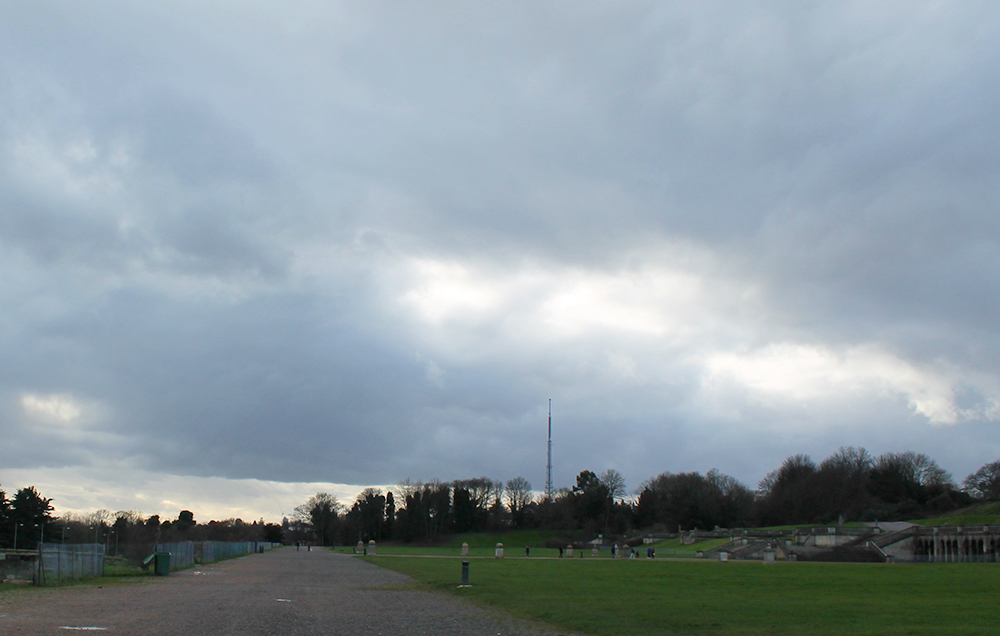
(632,554)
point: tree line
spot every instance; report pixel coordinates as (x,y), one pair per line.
(27,519)
(850,484)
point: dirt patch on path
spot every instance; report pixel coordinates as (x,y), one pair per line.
(283,592)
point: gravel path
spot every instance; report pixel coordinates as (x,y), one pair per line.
(284,592)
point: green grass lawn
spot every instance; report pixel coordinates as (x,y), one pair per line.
(119,566)
(674,547)
(979,515)
(639,597)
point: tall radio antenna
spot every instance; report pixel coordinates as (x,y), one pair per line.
(548,466)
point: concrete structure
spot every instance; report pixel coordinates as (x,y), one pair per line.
(947,544)
(903,543)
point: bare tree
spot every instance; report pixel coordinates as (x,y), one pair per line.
(407,488)
(766,485)
(916,467)
(852,461)
(927,472)
(99,517)
(985,482)
(614,481)
(133,517)
(517,493)
(321,512)
(482,491)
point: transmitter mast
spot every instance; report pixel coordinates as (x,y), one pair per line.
(548,466)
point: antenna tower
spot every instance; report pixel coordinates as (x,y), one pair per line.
(548,466)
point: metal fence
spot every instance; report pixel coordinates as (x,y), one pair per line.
(181,554)
(64,562)
(188,553)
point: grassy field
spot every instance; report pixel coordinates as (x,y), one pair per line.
(675,548)
(119,566)
(640,597)
(979,515)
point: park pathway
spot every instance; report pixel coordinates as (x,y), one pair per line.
(281,593)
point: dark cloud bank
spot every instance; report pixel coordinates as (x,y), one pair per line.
(359,244)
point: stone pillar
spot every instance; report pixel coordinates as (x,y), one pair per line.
(360,548)
(465,549)
(499,551)
(371,548)
(569,550)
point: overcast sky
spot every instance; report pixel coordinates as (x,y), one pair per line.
(250,250)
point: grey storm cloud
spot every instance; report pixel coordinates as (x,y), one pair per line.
(357,243)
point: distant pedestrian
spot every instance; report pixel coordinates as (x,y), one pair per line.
(649,553)
(653,552)
(527,550)
(560,553)
(296,546)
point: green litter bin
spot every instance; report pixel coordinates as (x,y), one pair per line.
(161,563)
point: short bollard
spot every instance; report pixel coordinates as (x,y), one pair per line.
(465,574)
(465,549)
(499,551)
(371,548)
(569,550)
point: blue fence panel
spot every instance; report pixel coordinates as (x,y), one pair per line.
(188,553)
(64,562)
(181,554)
